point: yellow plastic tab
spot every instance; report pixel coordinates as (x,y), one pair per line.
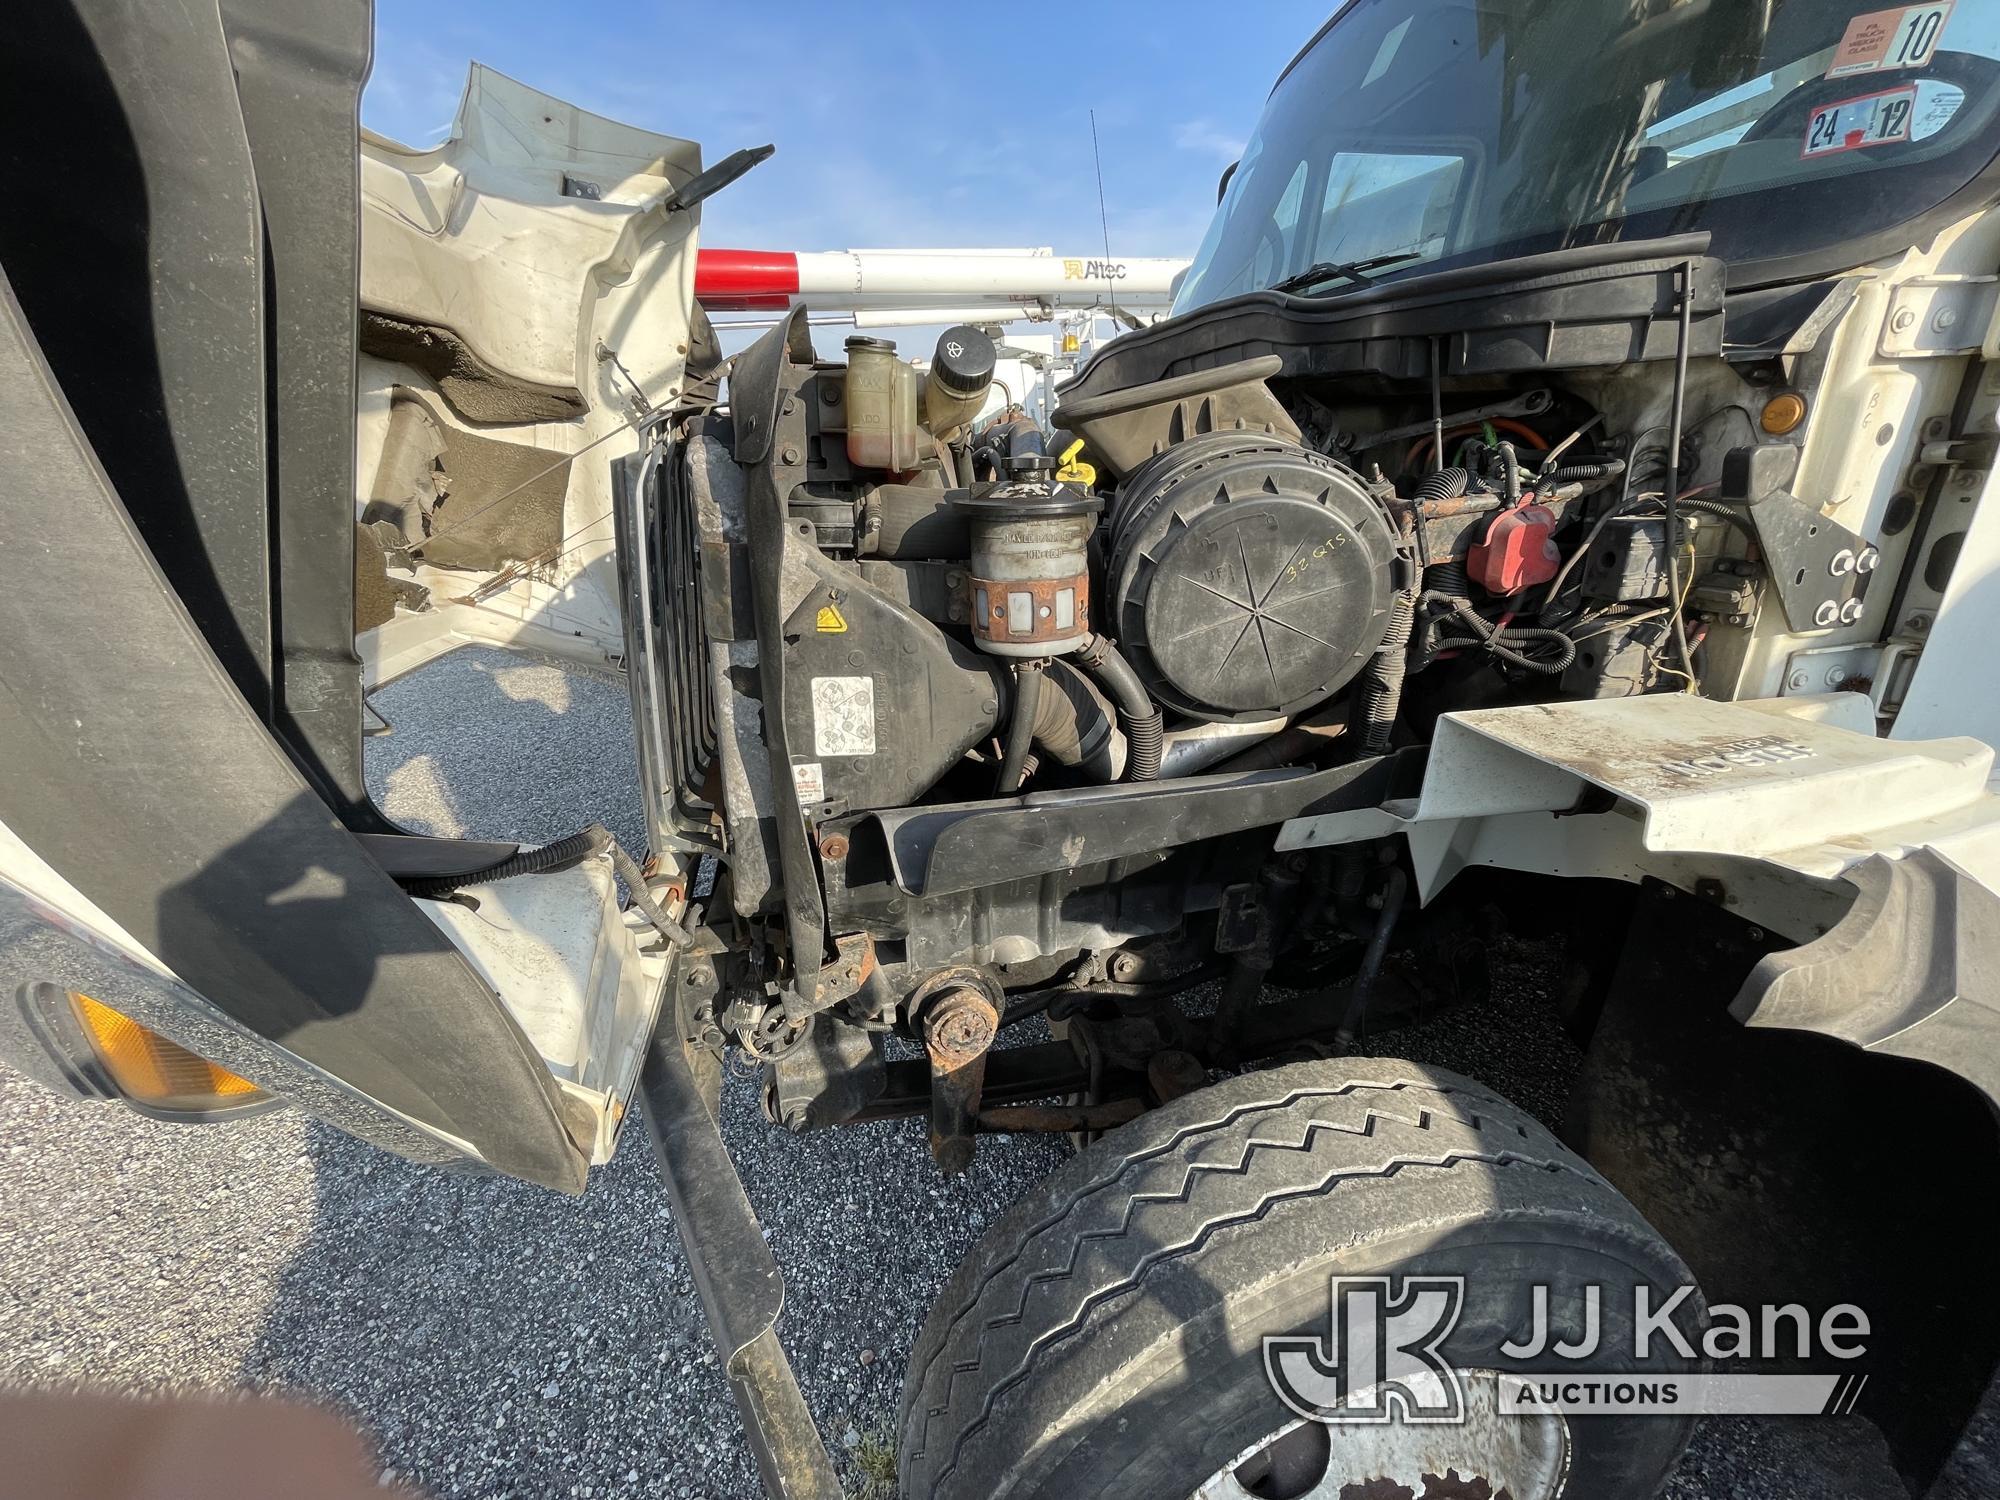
(1074,470)
(830,620)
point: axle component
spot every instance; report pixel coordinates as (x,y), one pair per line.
(960,1019)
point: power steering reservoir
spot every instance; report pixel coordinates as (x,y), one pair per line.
(1030,560)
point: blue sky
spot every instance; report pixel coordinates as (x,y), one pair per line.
(896,124)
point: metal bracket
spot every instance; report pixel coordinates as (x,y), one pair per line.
(854,961)
(1831,669)
(1931,317)
(1819,567)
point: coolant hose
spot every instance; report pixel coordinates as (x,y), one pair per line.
(1073,724)
(563,854)
(1020,728)
(1145,728)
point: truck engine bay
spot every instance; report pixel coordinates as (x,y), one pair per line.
(969,729)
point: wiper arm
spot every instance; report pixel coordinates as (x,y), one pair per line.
(1342,270)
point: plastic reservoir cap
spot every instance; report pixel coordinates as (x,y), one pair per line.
(964,360)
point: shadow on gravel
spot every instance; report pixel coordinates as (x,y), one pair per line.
(493,1338)
(497,1339)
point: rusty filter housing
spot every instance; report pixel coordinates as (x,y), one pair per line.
(1030,560)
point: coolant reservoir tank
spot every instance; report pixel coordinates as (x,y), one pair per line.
(882,430)
(961,374)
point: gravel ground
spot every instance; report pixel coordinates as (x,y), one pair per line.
(498,1340)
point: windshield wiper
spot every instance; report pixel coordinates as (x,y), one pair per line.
(1341,270)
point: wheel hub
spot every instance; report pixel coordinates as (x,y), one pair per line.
(1491,1455)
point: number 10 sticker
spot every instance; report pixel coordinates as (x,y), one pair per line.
(1904,37)
(1851,124)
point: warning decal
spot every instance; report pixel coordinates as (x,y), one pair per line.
(809,781)
(843,715)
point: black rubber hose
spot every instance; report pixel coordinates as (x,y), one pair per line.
(1356,1013)
(1020,728)
(1511,463)
(563,854)
(916,522)
(1444,484)
(1382,696)
(1448,577)
(1609,468)
(1145,728)
(1073,724)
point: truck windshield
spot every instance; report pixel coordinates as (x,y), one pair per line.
(1452,132)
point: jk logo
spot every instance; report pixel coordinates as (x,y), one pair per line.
(1379,1362)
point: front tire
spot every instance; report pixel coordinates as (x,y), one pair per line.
(1106,1336)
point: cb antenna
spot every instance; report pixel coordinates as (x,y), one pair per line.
(1097,160)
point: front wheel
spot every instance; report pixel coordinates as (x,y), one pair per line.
(1109,1335)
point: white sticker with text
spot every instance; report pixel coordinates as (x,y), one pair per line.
(843,715)
(1852,124)
(808,781)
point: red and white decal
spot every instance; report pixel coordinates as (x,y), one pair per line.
(1904,36)
(1852,124)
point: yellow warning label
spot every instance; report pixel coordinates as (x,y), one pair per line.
(830,620)
(1074,470)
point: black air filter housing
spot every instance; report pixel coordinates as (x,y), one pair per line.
(1249,577)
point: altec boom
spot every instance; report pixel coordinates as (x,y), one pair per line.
(863,280)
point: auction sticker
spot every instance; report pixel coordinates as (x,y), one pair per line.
(1905,36)
(1851,124)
